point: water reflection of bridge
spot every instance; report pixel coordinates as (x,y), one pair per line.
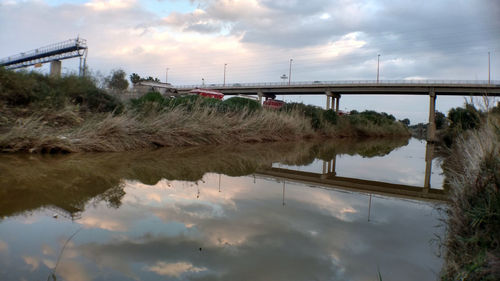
(328,178)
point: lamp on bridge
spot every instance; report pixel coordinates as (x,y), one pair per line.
(378,66)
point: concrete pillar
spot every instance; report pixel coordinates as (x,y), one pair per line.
(337,104)
(431,129)
(429,153)
(332,105)
(259,93)
(334,160)
(324,167)
(55,68)
(328,97)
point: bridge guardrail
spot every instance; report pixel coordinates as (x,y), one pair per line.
(78,42)
(343,82)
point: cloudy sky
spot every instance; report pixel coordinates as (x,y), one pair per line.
(327,40)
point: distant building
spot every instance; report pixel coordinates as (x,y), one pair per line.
(143,87)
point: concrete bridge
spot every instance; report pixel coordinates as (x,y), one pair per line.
(328,179)
(333,90)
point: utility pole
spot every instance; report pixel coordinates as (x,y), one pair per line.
(166,75)
(378,67)
(290,72)
(489,68)
(224,85)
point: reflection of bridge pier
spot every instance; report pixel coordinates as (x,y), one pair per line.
(429,153)
(329,168)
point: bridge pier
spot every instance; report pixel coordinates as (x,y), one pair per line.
(429,152)
(328,97)
(329,168)
(337,103)
(55,68)
(260,94)
(431,129)
(332,101)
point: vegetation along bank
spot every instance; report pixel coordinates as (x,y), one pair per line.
(472,243)
(72,114)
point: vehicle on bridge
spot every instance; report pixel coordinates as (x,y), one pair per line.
(207,93)
(273,104)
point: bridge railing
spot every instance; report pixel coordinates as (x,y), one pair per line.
(342,82)
(77,43)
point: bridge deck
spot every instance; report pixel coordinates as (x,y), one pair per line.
(358,185)
(415,87)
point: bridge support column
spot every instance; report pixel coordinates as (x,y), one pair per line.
(328,97)
(431,129)
(259,94)
(55,68)
(337,103)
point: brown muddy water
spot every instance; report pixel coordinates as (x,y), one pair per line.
(297,211)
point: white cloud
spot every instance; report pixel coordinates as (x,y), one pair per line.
(174,269)
(102,5)
(32,262)
(3,247)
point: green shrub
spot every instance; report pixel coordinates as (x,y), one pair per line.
(311,111)
(23,89)
(330,116)
(150,97)
(370,117)
(239,103)
(464,118)
(441,121)
(16,88)
(192,101)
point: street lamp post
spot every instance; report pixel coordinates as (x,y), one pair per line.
(166,75)
(378,67)
(290,72)
(224,85)
(488,67)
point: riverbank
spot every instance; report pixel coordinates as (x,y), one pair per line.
(71,114)
(472,244)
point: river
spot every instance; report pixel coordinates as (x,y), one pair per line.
(339,210)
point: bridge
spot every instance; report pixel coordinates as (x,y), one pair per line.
(333,90)
(53,53)
(328,179)
(356,185)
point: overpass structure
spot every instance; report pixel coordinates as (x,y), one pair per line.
(333,90)
(356,185)
(53,53)
(328,178)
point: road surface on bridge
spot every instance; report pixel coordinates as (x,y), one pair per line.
(358,87)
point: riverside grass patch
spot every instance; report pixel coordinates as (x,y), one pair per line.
(472,250)
(72,114)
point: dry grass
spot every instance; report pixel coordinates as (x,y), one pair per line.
(473,234)
(176,127)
